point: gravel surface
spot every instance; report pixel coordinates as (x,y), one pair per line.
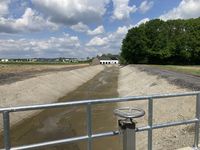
(181,79)
(139,80)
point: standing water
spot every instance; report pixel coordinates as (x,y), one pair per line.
(69,122)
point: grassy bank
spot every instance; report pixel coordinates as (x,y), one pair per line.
(194,70)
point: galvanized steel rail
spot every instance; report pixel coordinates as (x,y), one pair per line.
(88,103)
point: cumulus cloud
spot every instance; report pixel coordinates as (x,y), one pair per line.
(186,9)
(80,27)
(108,43)
(97,41)
(122,10)
(146,6)
(98,30)
(71,12)
(29,21)
(123,30)
(4,7)
(141,22)
(52,47)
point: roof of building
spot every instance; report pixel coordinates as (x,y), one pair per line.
(113,57)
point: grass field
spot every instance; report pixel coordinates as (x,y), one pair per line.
(194,70)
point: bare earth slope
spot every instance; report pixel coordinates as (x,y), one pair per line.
(13,73)
(43,89)
(133,81)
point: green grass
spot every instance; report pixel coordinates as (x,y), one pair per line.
(194,70)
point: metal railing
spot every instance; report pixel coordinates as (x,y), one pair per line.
(90,136)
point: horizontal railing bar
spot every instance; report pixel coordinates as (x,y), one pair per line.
(99,135)
(167,124)
(64,141)
(95,101)
(111,133)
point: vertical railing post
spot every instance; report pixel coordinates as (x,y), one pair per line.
(128,135)
(196,139)
(89,126)
(6,130)
(150,122)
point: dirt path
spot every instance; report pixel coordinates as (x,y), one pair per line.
(14,73)
(183,80)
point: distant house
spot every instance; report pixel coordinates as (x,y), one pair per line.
(4,60)
(105,60)
(109,61)
(112,59)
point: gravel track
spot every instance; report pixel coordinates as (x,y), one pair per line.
(183,80)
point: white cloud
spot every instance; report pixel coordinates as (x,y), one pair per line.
(141,22)
(108,43)
(146,6)
(80,27)
(97,41)
(4,7)
(98,30)
(29,21)
(71,12)
(122,30)
(186,9)
(52,47)
(122,10)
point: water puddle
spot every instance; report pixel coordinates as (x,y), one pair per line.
(71,121)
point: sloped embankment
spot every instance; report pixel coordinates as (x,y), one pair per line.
(133,82)
(43,89)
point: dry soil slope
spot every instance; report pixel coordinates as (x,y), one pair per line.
(43,89)
(133,82)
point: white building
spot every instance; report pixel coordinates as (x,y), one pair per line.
(109,61)
(4,60)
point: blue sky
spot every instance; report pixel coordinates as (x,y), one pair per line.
(79,28)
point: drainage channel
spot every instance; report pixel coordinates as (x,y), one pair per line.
(71,121)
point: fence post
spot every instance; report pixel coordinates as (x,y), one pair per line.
(89,126)
(6,130)
(150,122)
(128,134)
(196,140)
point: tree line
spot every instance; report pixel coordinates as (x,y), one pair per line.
(163,42)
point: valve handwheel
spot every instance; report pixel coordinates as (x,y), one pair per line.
(129,112)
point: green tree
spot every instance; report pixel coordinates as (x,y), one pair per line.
(163,42)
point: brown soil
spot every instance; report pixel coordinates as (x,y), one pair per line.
(12,73)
